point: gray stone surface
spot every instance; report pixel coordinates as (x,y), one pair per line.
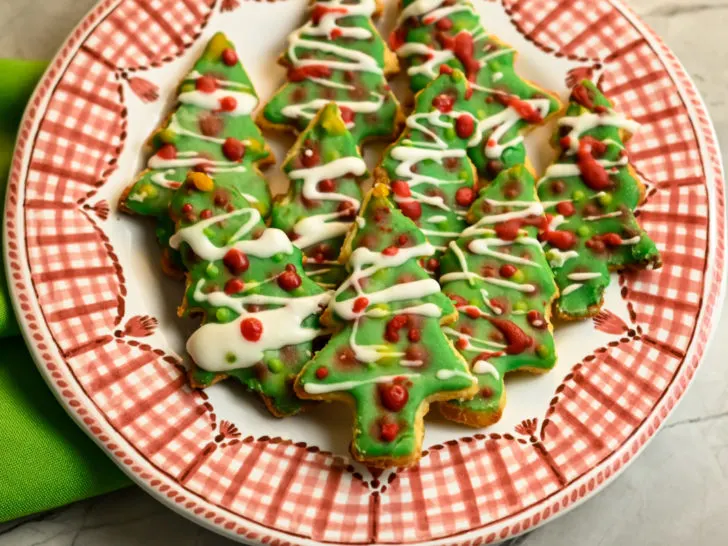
(674,493)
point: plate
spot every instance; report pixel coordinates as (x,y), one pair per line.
(100,318)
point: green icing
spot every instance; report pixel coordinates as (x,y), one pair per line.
(326,171)
(393,343)
(192,129)
(447,35)
(274,374)
(597,212)
(502,324)
(338,56)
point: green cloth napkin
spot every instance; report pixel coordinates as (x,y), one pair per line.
(46,461)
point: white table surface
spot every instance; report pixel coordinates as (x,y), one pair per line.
(677,491)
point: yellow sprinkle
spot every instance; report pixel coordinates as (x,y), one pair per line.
(216,46)
(201,181)
(331,121)
(380,190)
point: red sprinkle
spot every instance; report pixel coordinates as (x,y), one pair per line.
(390,251)
(236,261)
(347,114)
(566,208)
(322,373)
(507,271)
(289,280)
(433,264)
(414,335)
(472,312)
(508,231)
(394,396)
(233,286)
(360,304)
(320,10)
(465,197)
(592,172)
(206,84)
(228,104)
(462,344)
(565,142)
(397,38)
(612,239)
(305,72)
(444,103)
(445,69)
(327,185)
(168,151)
(525,110)
(563,240)
(444,24)
(464,126)
(388,431)
(187,208)
(516,338)
(205,214)
(463,48)
(411,209)
(310,157)
(251,328)
(229,56)
(402,240)
(233,149)
(401,188)
(336,33)
(536,319)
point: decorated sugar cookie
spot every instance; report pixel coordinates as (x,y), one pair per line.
(390,357)
(260,311)
(211,131)
(435,36)
(591,192)
(338,56)
(433,182)
(326,170)
(501,283)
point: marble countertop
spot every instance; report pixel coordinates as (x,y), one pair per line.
(675,492)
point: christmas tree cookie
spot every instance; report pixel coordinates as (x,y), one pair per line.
(390,357)
(591,192)
(210,131)
(432,179)
(326,171)
(260,311)
(436,36)
(499,278)
(338,56)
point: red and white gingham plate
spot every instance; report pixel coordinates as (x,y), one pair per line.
(100,321)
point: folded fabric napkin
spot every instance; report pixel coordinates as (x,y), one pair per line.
(46,461)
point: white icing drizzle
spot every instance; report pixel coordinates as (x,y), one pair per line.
(193,159)
(615,214)
(271,242)
(568,170)
(323,388)
(250,198)
(160,179)
(245,100)
(212,344)
(558,258)
(365,263)
(531,208)
(347,59)
(436,219)
(483,367)
(589,121)
(570,289)
(584,276)
(483,248)
(320,227)
(444,375)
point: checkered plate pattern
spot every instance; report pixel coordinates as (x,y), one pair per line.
(70,293)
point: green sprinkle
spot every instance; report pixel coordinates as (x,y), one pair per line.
(579,195)
(543,351)
(605,199)
(474,302)
(278,257)
(222,315)
(212,271)
(331,155)
(518,276)
(521,306)
(230,358)
(583,231)
(481,114)
(450,134)
(464,175)
(209,232)
(275,365)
